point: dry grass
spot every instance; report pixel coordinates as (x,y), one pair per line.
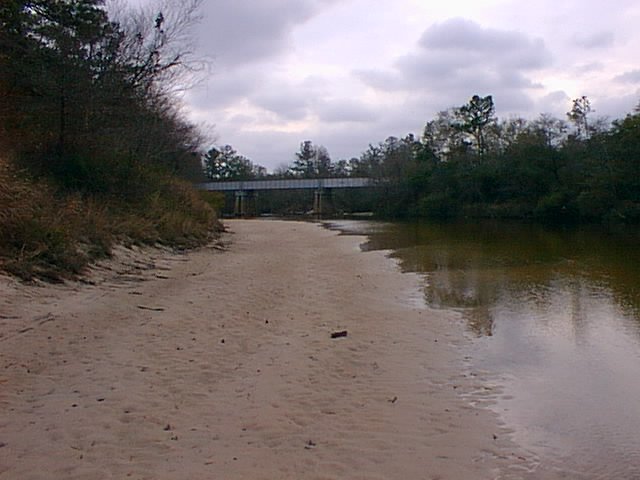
(36,237)
(49,235)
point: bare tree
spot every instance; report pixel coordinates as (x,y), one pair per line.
(158,51)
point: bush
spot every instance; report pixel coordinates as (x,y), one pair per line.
(52,234)
(556,206)
(179,214)
(215,200)
(437,205)
(36,229)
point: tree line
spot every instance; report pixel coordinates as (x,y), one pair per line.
(84,94)
(470,163)
(92,140)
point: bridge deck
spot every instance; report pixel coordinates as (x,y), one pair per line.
(288,184)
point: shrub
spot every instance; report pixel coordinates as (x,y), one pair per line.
(556,207)
(53,234)
(437,205)
(36,229)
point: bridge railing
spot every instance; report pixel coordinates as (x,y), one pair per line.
(288,184)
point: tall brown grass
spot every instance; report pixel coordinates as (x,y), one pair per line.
(52,234)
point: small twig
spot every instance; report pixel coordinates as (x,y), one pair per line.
(154,309)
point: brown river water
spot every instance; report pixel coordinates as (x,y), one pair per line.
(554,318)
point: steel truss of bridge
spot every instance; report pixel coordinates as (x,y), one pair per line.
(245,191)
(287,184)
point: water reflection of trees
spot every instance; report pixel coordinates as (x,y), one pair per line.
(474,268)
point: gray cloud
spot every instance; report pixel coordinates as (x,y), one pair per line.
(287,99)
(449,64)
(589,67)
(629,77)
(287,104)
(240,37)
(272,148)
(457,58)
(458,36)
(381,80)
(594,40)
(618,106)
(345,111)
(222,89)
(556,103)
(244,31)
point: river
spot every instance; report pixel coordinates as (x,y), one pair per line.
(554,319)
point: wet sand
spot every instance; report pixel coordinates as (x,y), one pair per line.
(220,365)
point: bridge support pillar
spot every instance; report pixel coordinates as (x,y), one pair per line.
(245,204)
(323,202)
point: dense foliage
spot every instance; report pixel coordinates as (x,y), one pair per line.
(225,163)
(548,169)
(468,163)
(91,139)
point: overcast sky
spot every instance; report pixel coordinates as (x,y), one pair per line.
(346,73)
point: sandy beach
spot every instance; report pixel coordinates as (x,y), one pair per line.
(220,364)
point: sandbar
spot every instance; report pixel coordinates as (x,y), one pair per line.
(221,363)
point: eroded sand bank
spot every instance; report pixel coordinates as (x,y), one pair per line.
(221,365)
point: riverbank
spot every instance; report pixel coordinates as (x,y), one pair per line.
(222,365)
